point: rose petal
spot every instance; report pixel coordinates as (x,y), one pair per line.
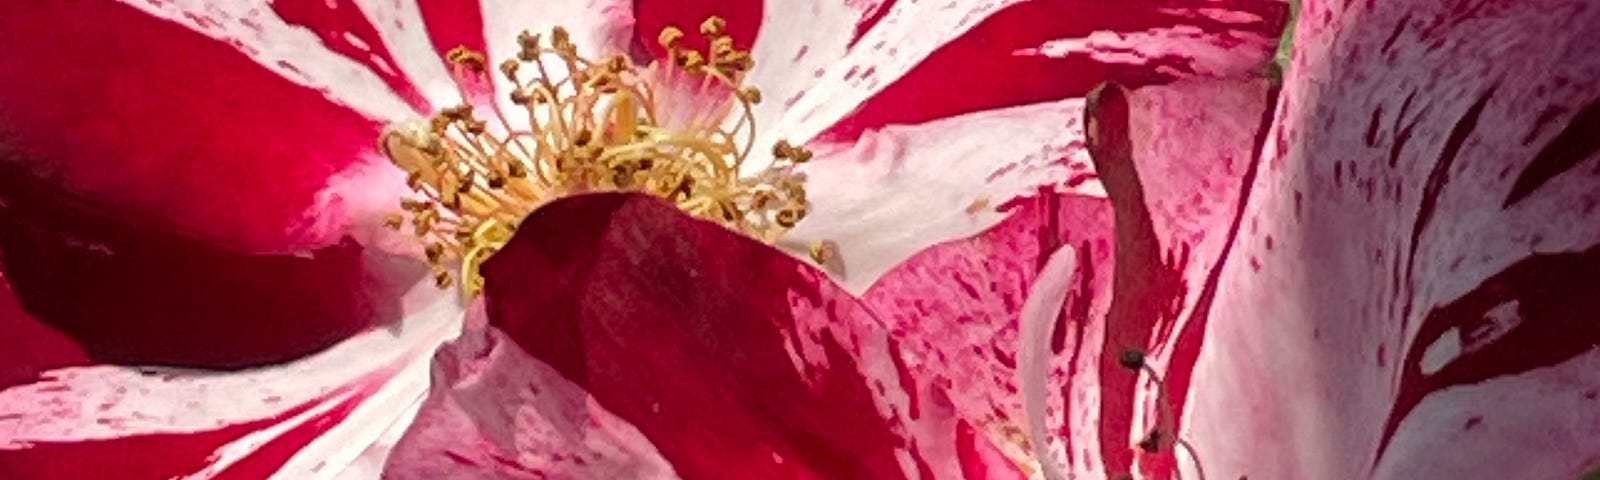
(897,191)
(129,293)
(729,357)
(956,308)
(496,412)
(32,346)
(789,39)
(80,422)
(1414,296)
(212,110)
(1176,162)
(925,61)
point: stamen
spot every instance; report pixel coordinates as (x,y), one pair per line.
(604,125)
(1134,359)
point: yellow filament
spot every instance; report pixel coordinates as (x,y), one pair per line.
(597,128)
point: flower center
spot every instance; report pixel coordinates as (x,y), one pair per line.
(669,129)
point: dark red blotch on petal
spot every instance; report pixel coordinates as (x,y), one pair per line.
(129,293)
(679,327)
(1536,313)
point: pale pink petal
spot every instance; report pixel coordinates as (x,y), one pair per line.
(1414,294)
(956,308)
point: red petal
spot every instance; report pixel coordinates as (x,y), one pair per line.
(1414,296)
(32,346)
(154,120)
(731,358)
(743,19)
(680,327)
(129,293)
(1044,50)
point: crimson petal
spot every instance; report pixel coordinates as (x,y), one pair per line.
(156,121)
(130,293)
(730,358)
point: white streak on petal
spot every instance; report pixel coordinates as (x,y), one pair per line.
(400,22)
(1038,317)
(99,402)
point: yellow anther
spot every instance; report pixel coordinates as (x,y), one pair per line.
(466,57)
(591,126)
(669,37)
(713,26)
(750,94)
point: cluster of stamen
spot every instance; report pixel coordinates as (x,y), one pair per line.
(600,126)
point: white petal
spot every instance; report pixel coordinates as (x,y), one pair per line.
(904,188)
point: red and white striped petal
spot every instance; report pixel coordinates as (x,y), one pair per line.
(902,189)
(157,422)
(728,357)
(1414,294)
(186,114)
(956,309)
(987,104)
(923,61)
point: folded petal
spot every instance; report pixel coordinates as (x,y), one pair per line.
(496,412)
(730,358)
(1413,295)
(155,422)
(792,41)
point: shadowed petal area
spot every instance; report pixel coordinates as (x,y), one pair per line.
(129,293)
(730,358)
(1414,290)
(162,123)
(32,346)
